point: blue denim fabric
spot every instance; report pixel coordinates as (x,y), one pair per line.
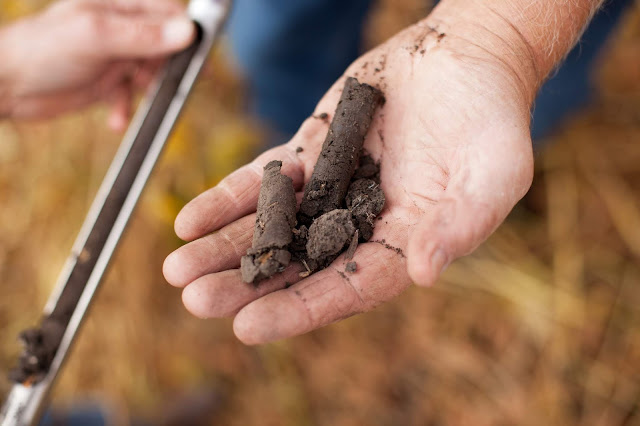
(292,51)
(570,86)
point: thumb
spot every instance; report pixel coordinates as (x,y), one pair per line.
(130,36)
(474,205)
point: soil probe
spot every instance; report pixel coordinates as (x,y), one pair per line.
(46,347)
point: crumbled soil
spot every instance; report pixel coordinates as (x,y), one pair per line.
(353,246)
(340,202)
(328,236)
(40,345)
(365,200)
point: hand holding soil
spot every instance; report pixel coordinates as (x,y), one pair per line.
(455,156)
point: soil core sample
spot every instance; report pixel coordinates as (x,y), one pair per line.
(273,233)
(340,202)
(341,150)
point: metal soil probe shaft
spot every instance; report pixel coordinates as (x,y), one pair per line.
(108,217)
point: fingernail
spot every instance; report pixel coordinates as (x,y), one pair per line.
(178,31)
(439,261)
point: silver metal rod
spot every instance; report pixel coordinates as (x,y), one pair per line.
(114,205)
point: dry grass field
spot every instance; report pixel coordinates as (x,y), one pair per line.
(541,326)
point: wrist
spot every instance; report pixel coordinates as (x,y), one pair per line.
(480,37)
(528,37)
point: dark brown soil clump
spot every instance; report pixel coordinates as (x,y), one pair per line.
(368,169)
(365,200)
(340,202)
(273,233)
(340,153)
(328,236)
(384,244)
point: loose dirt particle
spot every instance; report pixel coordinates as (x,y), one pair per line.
(368,168)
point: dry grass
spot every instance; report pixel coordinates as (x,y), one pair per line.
(540,326)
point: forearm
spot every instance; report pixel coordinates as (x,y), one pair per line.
(533,36)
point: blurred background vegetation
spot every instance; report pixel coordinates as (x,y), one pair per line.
(540,326)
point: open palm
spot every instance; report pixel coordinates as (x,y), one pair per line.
(455,153)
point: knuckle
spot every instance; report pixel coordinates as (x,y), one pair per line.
(229,195)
